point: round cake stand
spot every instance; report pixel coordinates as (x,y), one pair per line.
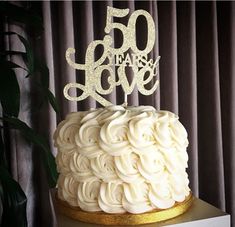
(126,218)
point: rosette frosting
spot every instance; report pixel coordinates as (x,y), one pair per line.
(122,159)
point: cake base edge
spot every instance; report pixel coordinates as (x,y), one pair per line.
(123,219)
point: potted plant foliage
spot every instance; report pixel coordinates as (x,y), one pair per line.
(13,198)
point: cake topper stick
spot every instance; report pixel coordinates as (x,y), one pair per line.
(125,100)
(144,69)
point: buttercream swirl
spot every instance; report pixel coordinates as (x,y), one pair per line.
(80,167)
(122,159)
(136,199)
(127,168)
(160,193)
(67,189)
(87,195)
(113,135)
(64,135)
(103,167)
(152,165)
(140,133)
(63,161)
(111,196)
(87,137)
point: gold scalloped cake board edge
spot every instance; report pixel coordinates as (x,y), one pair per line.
(126,218)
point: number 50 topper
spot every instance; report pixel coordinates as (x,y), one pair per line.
(137,60)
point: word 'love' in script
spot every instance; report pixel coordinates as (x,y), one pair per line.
(144,69)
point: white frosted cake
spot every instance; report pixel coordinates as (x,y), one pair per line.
(122,160)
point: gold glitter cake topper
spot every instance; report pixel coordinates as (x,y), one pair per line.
(144,69)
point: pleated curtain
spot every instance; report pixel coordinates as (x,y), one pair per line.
(196,42)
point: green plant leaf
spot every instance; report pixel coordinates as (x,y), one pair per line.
(52,100)
(12,52)
(36,139)
(13,65)
(9,90)
(27,56)
(43,71)
(29,53)
(3,161)
(21,15)
(7,33)
(13,201)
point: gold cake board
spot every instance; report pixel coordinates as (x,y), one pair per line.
(126,218)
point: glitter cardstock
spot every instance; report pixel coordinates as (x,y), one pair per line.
(127,55)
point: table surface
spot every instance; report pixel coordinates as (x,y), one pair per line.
(199,210)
